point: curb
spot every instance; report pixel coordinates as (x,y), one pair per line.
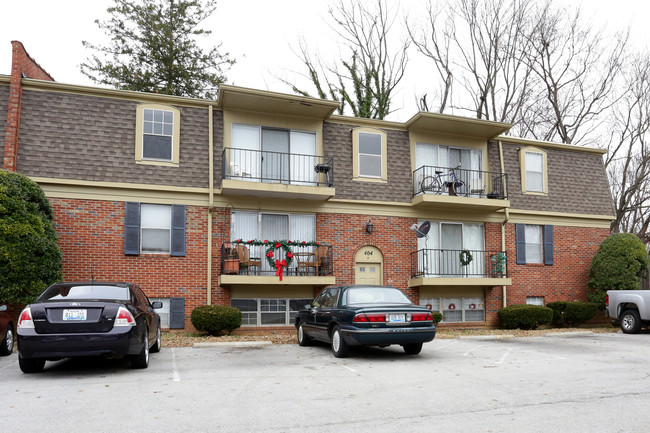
(232,344)
(486,337)
(569,334)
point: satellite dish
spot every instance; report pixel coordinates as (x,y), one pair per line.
(423,230)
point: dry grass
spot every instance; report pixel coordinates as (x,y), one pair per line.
(187,339)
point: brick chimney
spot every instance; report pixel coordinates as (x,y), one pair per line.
(22,66)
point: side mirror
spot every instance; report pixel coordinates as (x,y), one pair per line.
(3,308)
(157,305)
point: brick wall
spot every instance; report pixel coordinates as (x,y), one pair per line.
(91,237)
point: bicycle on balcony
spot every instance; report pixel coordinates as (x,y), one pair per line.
(443,183)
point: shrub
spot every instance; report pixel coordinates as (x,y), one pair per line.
(216,319)
(572,313)
(620,264)
(524,316)
(437,317)
(30,259)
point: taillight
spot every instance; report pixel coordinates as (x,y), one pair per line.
(422,317)
(372,318)
(25,319)
(606,300)
(124,318)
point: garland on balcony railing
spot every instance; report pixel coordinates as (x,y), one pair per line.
(286,245)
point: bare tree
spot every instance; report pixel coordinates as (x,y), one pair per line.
(365,77)
(578,70)
(628,157)
(479,45)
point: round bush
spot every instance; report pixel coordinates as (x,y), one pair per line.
(572,313)
(437,317)
(521,316)
(216,319)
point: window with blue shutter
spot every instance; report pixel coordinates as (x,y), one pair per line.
(176,313)
(132,228)
(521,246)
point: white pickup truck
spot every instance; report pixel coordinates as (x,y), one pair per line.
(631,308)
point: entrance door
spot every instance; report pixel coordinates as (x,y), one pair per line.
(368,266)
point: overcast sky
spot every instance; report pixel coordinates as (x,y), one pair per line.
(257,33)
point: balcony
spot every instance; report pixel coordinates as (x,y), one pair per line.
(442,267)
(457,188)
(247,264)
(277,174)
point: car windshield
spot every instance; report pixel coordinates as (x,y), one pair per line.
(65,292)
(376,295)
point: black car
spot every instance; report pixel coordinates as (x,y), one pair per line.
(6,332)
(88,319)
(347,316)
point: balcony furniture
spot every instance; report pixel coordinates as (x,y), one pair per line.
(324,168)
(245,261)
(305,261)
(476,187)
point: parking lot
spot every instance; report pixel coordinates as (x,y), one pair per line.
(585,382)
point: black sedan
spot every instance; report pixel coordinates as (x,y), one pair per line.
(88,319)
(347,316)
(6,332)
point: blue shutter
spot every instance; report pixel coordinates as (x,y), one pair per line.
(178,230)
(176,313)
(520,243)
(548,245)
(132,228)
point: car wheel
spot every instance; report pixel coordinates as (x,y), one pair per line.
(303,338)
(412,349)
(141,360)
(339,347)
(630,322)
(31,365)
(158,344)
(7,345)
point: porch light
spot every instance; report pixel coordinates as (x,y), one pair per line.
(369,227)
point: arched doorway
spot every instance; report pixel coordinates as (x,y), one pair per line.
(369,266)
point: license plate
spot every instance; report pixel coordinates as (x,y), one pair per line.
(396,318)
(74,314)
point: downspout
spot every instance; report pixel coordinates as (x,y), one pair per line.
(210,201)
(503,226)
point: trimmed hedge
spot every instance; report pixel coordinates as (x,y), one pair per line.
(216,319)
(570,314)
(522,316)
(437,317)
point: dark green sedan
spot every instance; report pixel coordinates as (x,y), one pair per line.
(357,315)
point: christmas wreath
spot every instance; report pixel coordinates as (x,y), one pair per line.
(465,257)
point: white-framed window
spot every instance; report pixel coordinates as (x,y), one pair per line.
(460,309)
(164,311)
(157,134)
(533,170)
(535,300)
(369,154)
(156,228)
(269,311)
(534,251)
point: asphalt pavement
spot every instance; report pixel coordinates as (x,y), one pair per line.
(571,383)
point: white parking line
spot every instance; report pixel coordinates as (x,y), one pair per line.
(348,368)
(175,376)
(471,350)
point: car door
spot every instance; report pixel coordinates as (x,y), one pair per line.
(145,310)
(324,313)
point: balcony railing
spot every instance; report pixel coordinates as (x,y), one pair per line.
(277,167)
(460,182)
(432,263)
(244,259)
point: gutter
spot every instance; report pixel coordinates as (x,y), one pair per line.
(505,221)
(210,201)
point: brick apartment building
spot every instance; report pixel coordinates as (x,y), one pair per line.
(179,196)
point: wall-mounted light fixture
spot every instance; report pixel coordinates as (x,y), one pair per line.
(369,227)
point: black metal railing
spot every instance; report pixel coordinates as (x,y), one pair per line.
(459,263)
(246,259)
(277,167)
(460,182)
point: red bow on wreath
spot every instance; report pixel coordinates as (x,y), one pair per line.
(279,266)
